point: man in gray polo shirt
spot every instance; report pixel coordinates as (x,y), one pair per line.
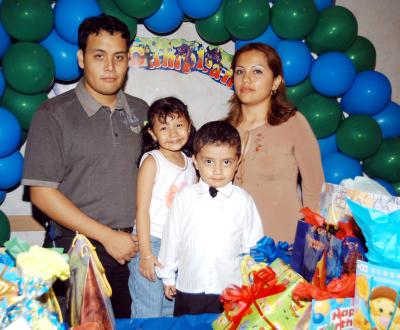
(81,153)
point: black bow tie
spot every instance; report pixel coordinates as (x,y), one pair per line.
(213,191)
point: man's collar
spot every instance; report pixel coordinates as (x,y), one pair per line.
(204,188)
(91,106)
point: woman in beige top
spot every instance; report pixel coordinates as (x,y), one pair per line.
(279,146)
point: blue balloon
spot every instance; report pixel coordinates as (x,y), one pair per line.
(322,4)
(5,40)
(369,94)
(10,133)
(69,14)
(389,120)
(318,317)
(64,56)
(332,74)
(2,196)
(11,170)
(296,61)
(2,83)
(338,167)
(268,37)
(166,19)
(199,8)
(387,186)
(327,145)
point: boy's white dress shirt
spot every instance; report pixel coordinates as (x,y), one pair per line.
(204,237)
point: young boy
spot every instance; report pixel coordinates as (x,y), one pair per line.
(209,225)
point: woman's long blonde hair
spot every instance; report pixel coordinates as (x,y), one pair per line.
(281,108)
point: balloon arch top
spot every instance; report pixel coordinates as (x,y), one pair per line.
(328,68)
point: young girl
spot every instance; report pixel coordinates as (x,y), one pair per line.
(165,167)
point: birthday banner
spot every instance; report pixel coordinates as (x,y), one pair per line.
(183,56)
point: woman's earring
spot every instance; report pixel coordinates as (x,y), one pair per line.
(274,91)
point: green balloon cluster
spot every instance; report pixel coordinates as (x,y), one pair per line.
(212,29)
(385,163)
(293,19)
(27,20)
(28,67)
(363,54)
(323,114)
(336,30)
(246,20)
(297,92)
(396,187)
(358,136)
(139,9)
(4,228)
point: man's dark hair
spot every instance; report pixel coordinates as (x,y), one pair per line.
(97,24)
(217,133)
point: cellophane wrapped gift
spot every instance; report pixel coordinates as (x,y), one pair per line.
(266,301)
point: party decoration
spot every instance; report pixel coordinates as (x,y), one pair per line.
(110,8)
(28,67)
(362,53)
(389,187)
(199,8)
(166,19)
(4,228)
(10,133)
(396,187)
(297,92)
(2,196)
(338,167)
(69,14)
(246,19)
(369,94)
(358,136)
(332,74)
(21,105)
(27,20)
(64,56)
(385,163)
(11,170)
(293,19)
(327,145)
(336,30)
(139,9)
(323,114)
(212,29)
(2,83)
(5,40)
(296,61)
(322,4)
(389,120)
(268,37)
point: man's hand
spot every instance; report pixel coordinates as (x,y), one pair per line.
(170,291)
(120,245)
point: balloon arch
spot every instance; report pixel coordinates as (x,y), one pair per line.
(328,69)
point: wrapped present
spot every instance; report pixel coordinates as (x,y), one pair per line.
(377,297)
(266,303)
(332,314)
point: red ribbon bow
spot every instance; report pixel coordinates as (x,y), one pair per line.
(237,299)
(312,218)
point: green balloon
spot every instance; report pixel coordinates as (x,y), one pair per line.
(293,19)
(385,163)
(139,8)
(362,53)
(246,20)
(4,228)
(323,114)
(396,187)
(28,68)
(336,30)
(212,29)
(27,20)
(297,92)
(21,105)
(110,8)
(358,136)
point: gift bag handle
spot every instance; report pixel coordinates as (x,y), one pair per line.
(371,284)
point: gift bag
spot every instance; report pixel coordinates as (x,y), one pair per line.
(377,297)
(334,314)
(89,289)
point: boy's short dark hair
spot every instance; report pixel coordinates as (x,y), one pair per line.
(103,22)
(218,133)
